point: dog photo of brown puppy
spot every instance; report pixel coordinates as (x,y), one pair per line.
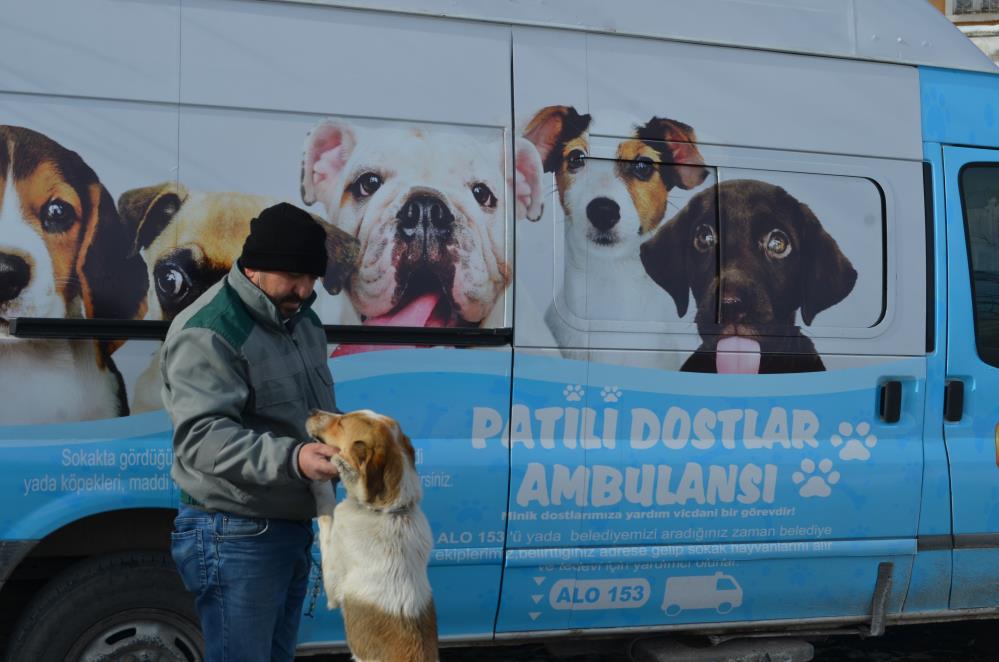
(376,543)
(752,255)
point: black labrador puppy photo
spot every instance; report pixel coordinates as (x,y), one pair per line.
(752,255)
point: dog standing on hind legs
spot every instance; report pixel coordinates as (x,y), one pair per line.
(375,544)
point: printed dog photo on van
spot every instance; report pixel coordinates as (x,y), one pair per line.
(64,253)
(609,206)
(753,256)
(189,240)
(428,207)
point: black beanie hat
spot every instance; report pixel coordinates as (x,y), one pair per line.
(285,238)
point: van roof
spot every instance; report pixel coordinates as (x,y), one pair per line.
(902,31)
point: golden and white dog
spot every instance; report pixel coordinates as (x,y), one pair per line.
(64,253)
(610,207)
(428,207)
(376,544)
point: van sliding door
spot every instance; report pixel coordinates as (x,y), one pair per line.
(721,290)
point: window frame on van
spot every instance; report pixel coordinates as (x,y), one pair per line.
(989,355)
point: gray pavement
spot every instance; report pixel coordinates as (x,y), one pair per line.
(976,641)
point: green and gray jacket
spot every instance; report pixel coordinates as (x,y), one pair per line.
(239,386)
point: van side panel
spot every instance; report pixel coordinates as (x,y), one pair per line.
(652,485)
(193,117)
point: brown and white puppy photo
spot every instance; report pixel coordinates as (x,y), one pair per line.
(752,255)
(189,241)
(428,207)
(64,253)
(376,543)
(610,206)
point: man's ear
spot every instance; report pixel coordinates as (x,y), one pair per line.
(550,128)
(664,256)
(148,210)
(527,186)
(676,143)
(827,274)
(327,149)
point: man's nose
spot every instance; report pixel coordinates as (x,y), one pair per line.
(304,287)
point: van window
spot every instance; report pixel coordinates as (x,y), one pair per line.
(772,250)
(980,198)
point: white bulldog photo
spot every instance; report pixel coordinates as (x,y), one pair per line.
(427,207)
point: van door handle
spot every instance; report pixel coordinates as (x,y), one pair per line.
(890,401)
(953,400)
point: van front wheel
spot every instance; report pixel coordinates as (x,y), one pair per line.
(121,606)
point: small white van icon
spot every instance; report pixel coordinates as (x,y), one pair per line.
(718,591)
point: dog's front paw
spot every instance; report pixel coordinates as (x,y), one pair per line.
(332,603)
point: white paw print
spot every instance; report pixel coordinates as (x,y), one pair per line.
(815,485)
(610,393)
(573,392)
(855,448)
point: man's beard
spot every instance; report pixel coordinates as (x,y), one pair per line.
(285,303)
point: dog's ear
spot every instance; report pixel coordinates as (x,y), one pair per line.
(664,256)
(343,253)
(527,186)
(676,144)
(327,149)
(371,466)
(113,280)
(827,274)
(148,210)
(551,128)
(407,446)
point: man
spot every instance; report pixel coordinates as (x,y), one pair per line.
(242,367)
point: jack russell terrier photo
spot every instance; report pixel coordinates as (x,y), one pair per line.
(610,208)
(189,240)
(64,253)
(428,208)
(376,543)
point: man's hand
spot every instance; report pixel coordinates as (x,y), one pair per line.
(314,461)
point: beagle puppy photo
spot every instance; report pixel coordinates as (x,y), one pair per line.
(428,208)
(610,207)
(753,256)
(376,543)
(64,253)
(189,240)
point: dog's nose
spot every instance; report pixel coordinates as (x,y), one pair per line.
(603,213)
(14,276)
(733,308)
(424,214)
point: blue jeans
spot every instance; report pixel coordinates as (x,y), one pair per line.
(249,576)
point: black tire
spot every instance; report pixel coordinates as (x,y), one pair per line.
(123,607)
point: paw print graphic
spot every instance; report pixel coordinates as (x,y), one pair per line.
(610,393)
(815,485)
(573,392)
(854,447)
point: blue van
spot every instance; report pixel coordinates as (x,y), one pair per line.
(704,337)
